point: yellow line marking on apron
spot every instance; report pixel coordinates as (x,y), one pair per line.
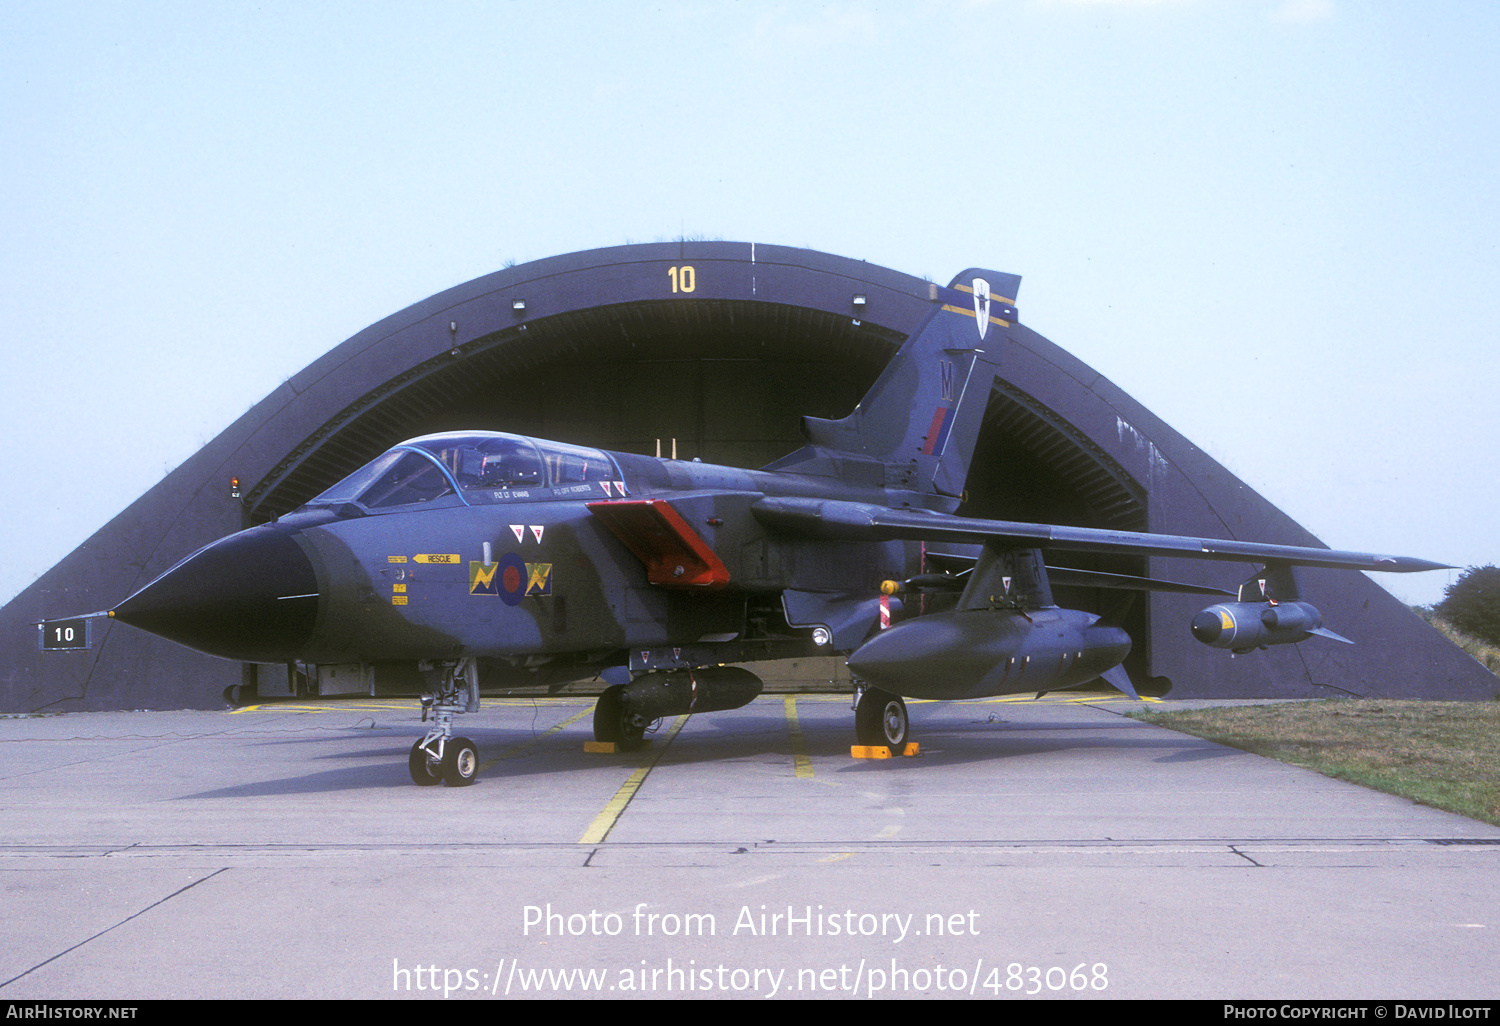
(799,744)
(517,747)
(605,822)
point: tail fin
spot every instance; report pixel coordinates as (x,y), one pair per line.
(921,418)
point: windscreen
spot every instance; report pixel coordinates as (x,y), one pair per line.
(482,467)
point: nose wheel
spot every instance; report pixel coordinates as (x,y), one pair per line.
(425,770)
(440,757)
(460,762)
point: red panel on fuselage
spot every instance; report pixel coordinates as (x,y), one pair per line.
(674,555)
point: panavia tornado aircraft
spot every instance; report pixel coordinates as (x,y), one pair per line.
(482,558)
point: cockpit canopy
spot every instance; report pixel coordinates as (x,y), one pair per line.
(473,468)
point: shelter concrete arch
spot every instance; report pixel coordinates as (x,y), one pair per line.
(722,346)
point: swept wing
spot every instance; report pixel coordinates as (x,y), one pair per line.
(859,521)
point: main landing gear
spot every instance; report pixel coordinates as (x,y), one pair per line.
(625,712)
(615,721)
(440,757)
(880,718)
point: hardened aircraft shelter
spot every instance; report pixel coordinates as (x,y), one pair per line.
(718,349)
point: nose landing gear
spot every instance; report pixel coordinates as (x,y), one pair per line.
(440,756)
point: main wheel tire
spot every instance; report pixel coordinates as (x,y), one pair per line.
(423,773)
(460,762)
(613,722)
(880,719)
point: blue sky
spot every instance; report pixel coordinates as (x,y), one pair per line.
(1273,222)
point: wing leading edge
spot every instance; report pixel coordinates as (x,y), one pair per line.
(858,521)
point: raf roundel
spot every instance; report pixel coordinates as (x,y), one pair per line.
(510,577)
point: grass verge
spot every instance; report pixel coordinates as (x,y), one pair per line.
(1483,651)
(1443,754)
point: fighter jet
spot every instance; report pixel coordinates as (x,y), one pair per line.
(480,559)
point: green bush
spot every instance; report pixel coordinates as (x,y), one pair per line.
(1472,603)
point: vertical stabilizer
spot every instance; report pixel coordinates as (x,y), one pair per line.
(921,418)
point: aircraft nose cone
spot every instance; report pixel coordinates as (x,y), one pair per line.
(252,596)
(1206,626)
